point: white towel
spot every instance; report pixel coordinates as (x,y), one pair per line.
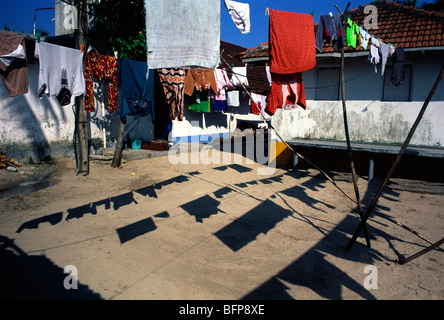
(240,14)
(182,33)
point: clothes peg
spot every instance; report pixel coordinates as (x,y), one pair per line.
(267,11)
(312,12)
(38,35)
(331,14)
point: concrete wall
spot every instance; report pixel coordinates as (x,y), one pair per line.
(370,118)
(35,128)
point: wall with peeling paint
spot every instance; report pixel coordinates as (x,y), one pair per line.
(35,128)
(370,119)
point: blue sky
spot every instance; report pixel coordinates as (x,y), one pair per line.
(18,15)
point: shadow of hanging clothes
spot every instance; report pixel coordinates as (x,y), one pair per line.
(147,192)
(178,179)
(79,212)
(245,229)
(313,271)
(136,229)
(123,200)
(137,84)
(53,219)
(202,208)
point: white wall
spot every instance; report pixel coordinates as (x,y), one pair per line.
(369,118)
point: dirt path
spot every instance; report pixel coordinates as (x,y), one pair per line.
(153,230)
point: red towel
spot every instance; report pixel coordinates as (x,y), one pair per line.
(292,42)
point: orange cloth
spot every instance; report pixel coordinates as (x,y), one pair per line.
(292,42)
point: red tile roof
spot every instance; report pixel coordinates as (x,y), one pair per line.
(401,25)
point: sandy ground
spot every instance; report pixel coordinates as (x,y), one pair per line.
(154,230)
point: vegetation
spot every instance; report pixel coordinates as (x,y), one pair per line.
(120,26)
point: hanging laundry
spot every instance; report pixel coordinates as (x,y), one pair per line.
(255,103)
(398,75)
(198,85)
(330,29)
(384,52)
(240,14)
(352,31)
(61,72)
(173,83)
(373,56)
(137,89)
(292,44)
(13,64)
(239,76)
(223,83)
(287,92)
(233,98)
(101,67)
(183,33)
(365,37)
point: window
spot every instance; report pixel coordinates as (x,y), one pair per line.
(327,84)
(401,92)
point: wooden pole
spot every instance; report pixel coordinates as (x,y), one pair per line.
(422,252)
(81,115)
(398,159)
(347,135)
(329,178)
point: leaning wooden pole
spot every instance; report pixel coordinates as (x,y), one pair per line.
(326,175)
(347,136)
(397,160)
(422,252)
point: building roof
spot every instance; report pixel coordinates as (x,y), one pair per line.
(401,25)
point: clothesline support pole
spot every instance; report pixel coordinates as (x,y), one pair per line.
(347,133)
(397,160)
(81,115)
(332,181)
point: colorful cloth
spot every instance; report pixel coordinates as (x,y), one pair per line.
(292,44)
(287,92)
(13,65)
(352,31)
(173,83)
(223,83)
(101,67)
(330,29)
(137,89)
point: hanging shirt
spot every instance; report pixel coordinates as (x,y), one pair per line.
(57,63)
(365,37)
(173,83)
(222,83)
(101,67)
(398,75)
(384,50)
(330,29)
(292,44)
(240,14)
(136,89)
(373,56)
(239,76)
(352,30)
(13,64)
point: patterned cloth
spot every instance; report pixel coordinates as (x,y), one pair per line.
(173,83)
(101,67)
